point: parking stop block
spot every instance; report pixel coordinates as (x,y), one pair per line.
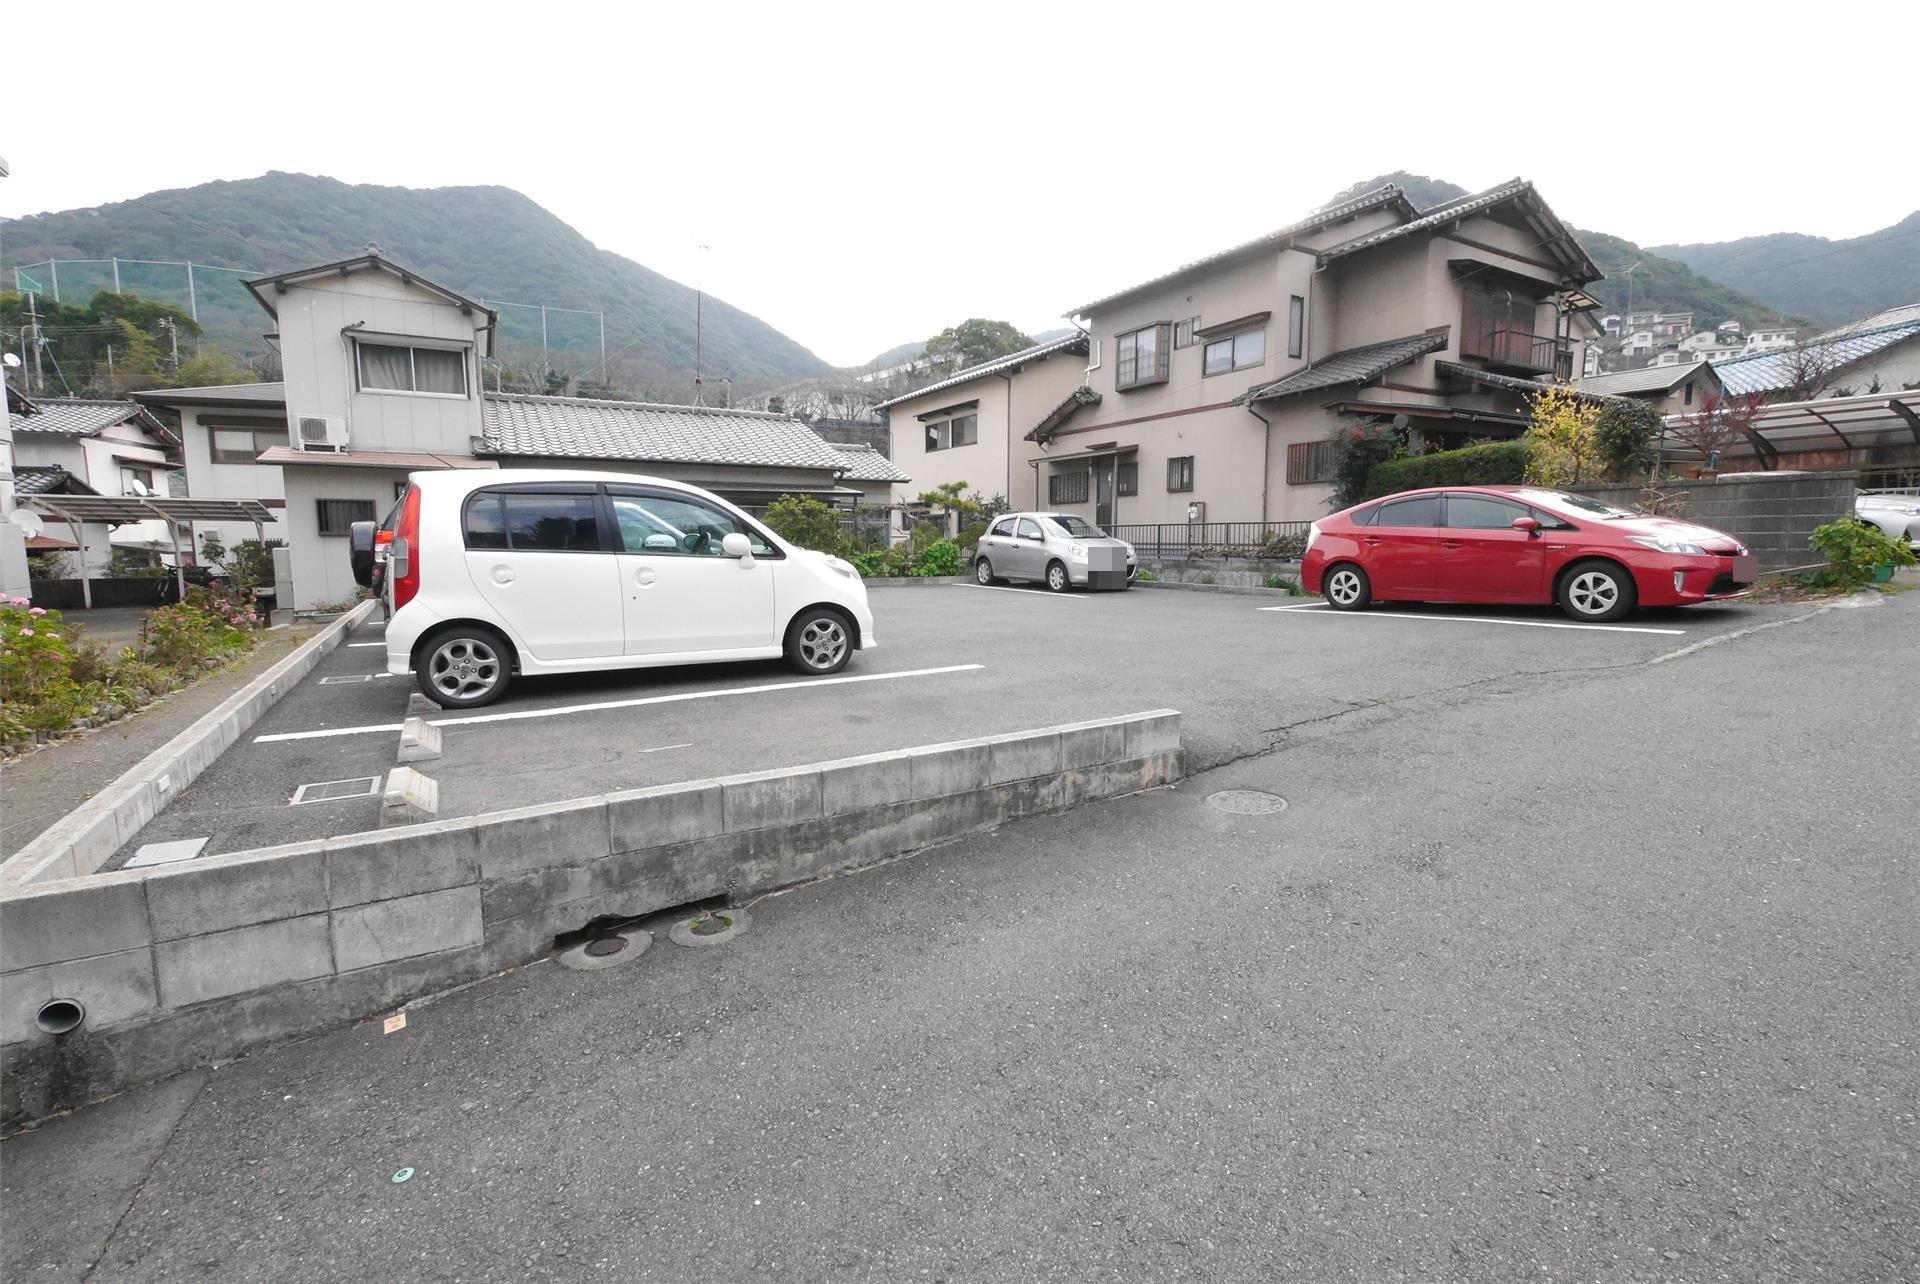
(410,798)
(419,706)
(419,740)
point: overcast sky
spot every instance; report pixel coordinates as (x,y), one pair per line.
(865,175)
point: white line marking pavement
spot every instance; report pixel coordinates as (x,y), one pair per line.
(1483,619)
(366,644)
(1008,588)
(1304,606)
(523,714)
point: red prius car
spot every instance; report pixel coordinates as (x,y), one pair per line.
(1519,545)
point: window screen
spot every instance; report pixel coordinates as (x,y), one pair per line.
(551,523)
(1067,488)
(1127,477)
(1180,473)
(1309,463)
(337,516)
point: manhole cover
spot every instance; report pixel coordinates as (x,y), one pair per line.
(1246,802)
(602,946)
(335,790)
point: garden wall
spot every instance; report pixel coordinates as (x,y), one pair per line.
(184,964)
(1774,514)
(71,595)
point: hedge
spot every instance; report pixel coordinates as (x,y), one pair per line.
(1497,463)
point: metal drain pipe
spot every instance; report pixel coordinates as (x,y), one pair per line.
(60,1016)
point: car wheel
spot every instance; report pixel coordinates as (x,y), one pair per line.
(1347,588)
(1057,580)
(464,666)
(819,642)
(1593,592)
(983,572)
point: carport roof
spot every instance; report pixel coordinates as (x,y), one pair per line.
(1355,365)
(578,428)
(136,508)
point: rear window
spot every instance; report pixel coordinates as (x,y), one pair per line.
(1421,510)
(530,521)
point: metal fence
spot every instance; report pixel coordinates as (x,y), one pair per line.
(1284,540)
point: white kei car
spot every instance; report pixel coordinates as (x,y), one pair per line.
(493,574)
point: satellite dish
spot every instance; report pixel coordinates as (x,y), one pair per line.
(11,360)
(1401,421)
(29,523)
(138,487)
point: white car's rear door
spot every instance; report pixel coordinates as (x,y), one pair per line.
(538,557)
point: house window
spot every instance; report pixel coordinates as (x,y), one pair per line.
(1183,332)
(244,445)
(1309,463)
(337,516)
(385,367)
(1235,352)
(945,434)
(1067,488)
(1127,477)
(129,476)
(1296,326)
(1141,357)
(1180,473)
(1687,397)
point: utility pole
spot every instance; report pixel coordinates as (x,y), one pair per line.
(698,281)
(33,320)
(173,333)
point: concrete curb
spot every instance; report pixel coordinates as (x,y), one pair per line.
(87,837)
(917,581)
(180,964)
(1251,590)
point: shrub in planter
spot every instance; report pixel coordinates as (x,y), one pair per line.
(1854,548)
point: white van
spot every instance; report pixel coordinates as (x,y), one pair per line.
(531,571)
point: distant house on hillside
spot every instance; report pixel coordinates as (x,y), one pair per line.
(1670,389)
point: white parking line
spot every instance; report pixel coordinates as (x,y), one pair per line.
(1481,619)
(366,644)
(519,715)
(1008,588)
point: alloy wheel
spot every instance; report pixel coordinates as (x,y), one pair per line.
(983,571)
(1593,592)
(1343,586)
(822,643)
(1057,578)
(464,668)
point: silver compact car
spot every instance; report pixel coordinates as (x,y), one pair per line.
(1059,550)
(1897,512)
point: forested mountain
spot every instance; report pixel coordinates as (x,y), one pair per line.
(1831,281)
(489,242)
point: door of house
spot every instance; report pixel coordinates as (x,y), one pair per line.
(1103,491)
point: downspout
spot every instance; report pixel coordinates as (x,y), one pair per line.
(1266,457)
(1009,433)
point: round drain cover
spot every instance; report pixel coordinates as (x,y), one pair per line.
(602,946)
(1246,802)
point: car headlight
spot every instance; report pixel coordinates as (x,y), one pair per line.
(1077,552)
(1665,544)
(840,567)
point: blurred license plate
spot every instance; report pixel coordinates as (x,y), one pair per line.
(1745,568)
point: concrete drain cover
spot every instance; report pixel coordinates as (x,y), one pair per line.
(606,951)
(335,790)
(710,929)
(1246,802)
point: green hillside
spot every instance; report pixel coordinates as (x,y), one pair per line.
(489,242)
(1831,281)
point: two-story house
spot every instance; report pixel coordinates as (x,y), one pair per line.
(1212,390)
(102,447)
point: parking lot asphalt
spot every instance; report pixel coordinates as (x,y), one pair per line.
(953,662)
(1604,975)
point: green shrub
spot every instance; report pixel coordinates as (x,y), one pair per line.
(1854,548)
(1286,582)
(1283,547)
(941,557)
(803,520)
(1628,435)
(1357,449)
(36,688)
(1497,463)
(1147,577)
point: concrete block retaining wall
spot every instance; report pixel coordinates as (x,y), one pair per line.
(1774,514)
(179,965)
(83,840)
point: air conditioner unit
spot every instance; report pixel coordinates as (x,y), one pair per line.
(322,432)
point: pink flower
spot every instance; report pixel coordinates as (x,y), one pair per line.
(26,632)
(16,601)
(37,611)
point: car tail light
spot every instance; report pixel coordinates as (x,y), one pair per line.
(403,562)
(1313,533)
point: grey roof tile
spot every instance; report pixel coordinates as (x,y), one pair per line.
(46,479)
(866,464)
(578,428)
(1560,241)
(1515,383)
(1076,342)
(1643,379)
(89,417)
(1772,371)
(1351,366)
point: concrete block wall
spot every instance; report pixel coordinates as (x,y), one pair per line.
(1772,514)
(182,964)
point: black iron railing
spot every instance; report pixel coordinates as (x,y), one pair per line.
(1286,541)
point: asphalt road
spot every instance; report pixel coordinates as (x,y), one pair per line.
(954,662)
(1557,967)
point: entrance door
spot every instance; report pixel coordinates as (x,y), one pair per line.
(1103,491)
(537,556)
(684,595)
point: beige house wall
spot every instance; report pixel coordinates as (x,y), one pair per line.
(995,464)
(208,480)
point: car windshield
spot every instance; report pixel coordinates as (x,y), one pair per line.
(1580,505)
(1073,527)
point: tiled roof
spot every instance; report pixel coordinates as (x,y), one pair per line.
(86,417)
(578,428)
(1559,240)
(1772,371)
(1075,342)
(1351,366)
(865,464)
(1644,379)
(1056,418)
(1514,383)
(1389,194)
(46,479)
(215,394)
(1892,316)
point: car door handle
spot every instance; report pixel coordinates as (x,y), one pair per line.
(1449,543)
(503,575)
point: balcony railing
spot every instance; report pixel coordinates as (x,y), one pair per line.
(1523,351)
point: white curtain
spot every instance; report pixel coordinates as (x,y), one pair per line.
(437,370)
(385,367)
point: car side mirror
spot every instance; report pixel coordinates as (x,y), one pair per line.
(734,544)
(1526,526)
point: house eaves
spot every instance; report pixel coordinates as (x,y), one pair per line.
(1355,365)
(1075,342)
(1555,236)
(266,288)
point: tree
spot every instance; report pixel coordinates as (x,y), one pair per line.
(803,520)
(973,341)
(1806,369)
(952,499)
(1718,423)
(1356,449)
(1628,436)
(1562,442)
